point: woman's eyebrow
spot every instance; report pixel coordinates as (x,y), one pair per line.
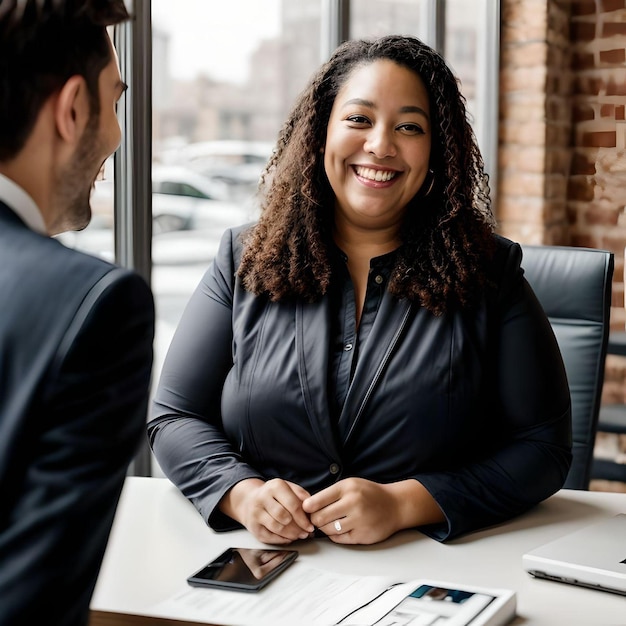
(360,101)
(371,105)
(414,109)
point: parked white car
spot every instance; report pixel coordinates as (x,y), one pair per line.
(181,200)
(185,200)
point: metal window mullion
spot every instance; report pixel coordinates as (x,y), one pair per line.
(488,86)
(432,25)
(133,163)
(335,26)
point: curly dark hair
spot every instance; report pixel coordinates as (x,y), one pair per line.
(42,44)
(447,234)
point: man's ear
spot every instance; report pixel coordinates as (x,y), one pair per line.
(72,109)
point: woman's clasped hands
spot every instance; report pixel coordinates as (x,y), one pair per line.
(352,511)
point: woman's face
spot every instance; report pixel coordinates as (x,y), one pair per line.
(377,144)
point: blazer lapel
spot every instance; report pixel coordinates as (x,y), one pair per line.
(388,327)
(312,320)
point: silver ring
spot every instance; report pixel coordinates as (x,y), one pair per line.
(338,526)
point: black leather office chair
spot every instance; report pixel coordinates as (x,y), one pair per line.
(574,288)
(612,419)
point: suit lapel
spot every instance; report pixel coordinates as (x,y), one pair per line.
(312,323)
(388,327)
(312,354)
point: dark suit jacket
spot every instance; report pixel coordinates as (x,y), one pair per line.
(75,359)
(474,406)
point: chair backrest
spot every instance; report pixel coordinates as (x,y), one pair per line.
(573,286)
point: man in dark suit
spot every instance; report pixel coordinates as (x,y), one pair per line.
(75,331)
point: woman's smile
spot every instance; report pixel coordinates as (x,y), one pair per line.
(375,175)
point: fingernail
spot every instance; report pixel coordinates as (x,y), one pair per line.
(304,535)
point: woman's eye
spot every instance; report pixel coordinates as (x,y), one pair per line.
(413,129)
(358,119)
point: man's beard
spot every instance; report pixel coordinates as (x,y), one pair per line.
(75,181)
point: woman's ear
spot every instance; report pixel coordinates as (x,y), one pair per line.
(72,109)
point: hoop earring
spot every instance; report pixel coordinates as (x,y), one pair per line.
(432,183)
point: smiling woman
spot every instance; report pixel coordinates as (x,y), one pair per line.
(368,356)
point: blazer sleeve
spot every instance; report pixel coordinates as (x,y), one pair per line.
(89,418)
(185,430)
(529,410)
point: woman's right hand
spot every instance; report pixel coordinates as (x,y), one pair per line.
(271,511)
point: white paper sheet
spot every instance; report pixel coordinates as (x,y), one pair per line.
(305,596)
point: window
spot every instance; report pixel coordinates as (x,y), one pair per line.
(375,18)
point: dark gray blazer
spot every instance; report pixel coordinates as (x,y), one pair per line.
(75,359)
(474,406)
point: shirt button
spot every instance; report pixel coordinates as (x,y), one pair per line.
(378,279)
(348,347)
(334,468)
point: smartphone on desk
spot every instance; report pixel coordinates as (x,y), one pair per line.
(243,569)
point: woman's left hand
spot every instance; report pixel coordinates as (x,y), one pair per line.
(359,511)
(354,510)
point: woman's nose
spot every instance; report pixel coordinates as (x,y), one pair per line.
(380,143)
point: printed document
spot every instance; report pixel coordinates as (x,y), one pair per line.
(311,597)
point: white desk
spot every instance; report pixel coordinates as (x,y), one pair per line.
(158,539)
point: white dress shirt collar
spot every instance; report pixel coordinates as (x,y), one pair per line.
(22,204)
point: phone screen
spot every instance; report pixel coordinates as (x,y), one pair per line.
(245,569)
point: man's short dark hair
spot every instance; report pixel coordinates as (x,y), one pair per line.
(42,44)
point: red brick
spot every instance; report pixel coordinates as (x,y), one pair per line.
(558,134)
(555,186)
(613,57)
(599,139)
(583,60)
(527,134)
(616,87)
(581,188)
(607,6)
(582,165)
(607,110)
(523,79)
(588,85)
(558,160)
(583,31)
(522,158)
(584,240)
(586,7)
(558,108)
(523,107)
(582,112)
(614,29)
(522,184)
(525,54)
(533,234)
(556,210)
(522,209)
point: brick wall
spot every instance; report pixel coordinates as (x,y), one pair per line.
(597,190)
(562,153)
(535,121)
(562,157)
